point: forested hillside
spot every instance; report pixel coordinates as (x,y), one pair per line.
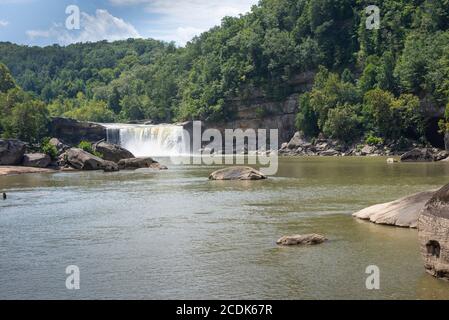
(369,83)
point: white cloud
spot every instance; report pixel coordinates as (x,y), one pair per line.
(101,26)
(3,23)
(180,20)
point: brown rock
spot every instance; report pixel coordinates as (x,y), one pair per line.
(433,233)
(82,160)
(237,173)
(112,152)
(307,239)
(139,163)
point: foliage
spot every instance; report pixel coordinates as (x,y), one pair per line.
(48,148)
(87,146)
(373,140)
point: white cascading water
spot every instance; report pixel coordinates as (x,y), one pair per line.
(148,140)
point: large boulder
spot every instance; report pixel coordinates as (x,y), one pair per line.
(433,232)
(73,131)
(140,163)
(36,160)
(297,141)
(82,160)
(418,155)
(306,239)
(403,212)
(112,152)
(11,152)
(237,173)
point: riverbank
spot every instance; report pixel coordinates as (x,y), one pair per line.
(16,170)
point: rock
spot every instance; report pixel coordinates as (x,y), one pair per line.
(403,212)
(73,132)
(112,152)
(418,155)
(11,151)
(284,146)
(36,160)
(307,239)
(441,155)
(296,141)
(59,145)
(329,153)
(392,160)
(15,170)
(237,173)
(433,233)
(82,160)
(139,163)
(367,149)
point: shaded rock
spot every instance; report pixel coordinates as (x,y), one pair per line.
(433,233)
(73,131)
(82,160)
(112,152)
(139,163)
(36,160)
(307,239)
(11,151)
(237,173)
(418,155)
(446,141)
(403,212)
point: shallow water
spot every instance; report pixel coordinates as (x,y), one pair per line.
(174,234)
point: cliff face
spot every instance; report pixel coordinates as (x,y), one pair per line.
(259,112)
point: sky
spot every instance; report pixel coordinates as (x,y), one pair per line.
(43,22)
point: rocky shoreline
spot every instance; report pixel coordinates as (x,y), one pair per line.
(299,145)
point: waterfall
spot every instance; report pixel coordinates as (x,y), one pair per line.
(148,140)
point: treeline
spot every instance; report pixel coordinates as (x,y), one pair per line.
(368,83)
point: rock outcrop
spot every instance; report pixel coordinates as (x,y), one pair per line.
(11,151)
(36,160)
(307,239)
(237,173)
(403,212)
(82,160)
(433,231)
(73,131)
(59,145)
(424,155)
(112,152)
(140,163)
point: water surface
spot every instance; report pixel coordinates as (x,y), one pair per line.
(176,235)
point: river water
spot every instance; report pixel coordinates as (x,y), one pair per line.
(174,234)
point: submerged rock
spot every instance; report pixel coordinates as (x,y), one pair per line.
(139,163)
(36,160)
(237,173)
(11,151)
(433,232)
(82,160)
(403,212)
(307,239)
(112,152)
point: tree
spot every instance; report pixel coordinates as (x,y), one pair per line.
(6,80)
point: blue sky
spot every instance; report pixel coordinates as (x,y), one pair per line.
(42,22)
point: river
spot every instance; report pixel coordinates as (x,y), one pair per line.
(176,235)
